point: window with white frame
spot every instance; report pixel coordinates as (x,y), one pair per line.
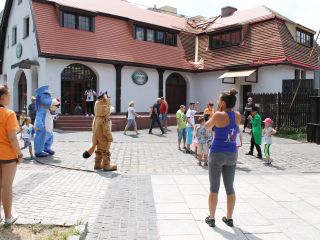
(304,38)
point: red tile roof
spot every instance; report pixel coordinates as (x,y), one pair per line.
(112,41)
(267,42)
(128,10)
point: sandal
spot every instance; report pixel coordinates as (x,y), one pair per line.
(10,221)
(229,222)
(210,221)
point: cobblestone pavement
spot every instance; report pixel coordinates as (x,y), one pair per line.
(161,193)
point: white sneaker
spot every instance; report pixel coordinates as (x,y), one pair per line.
(87,115)
(92,115)
(11,221)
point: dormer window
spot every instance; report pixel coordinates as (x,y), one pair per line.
(154,35)
(225,39)
(304,38)
(77,21)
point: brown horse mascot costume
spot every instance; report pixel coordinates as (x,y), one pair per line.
(102,137)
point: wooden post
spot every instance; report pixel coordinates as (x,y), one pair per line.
(118,68)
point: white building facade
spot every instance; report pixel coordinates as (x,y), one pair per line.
(24,71)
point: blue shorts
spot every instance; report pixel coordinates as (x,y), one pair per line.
(163,116)
(189,135)
(182,133)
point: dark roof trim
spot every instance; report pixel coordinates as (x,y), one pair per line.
(3,30)
(25,64)
(154,27)
(250,66)
(238,25)
(108,61)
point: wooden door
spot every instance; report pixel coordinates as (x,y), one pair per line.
(22,91)
(176,92)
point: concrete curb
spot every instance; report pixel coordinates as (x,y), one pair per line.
(83,230)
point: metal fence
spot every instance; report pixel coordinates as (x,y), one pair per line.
(284,109)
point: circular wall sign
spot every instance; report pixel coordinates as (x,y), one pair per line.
(139,77)
(19,50)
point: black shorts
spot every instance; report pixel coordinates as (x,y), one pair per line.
(8,161)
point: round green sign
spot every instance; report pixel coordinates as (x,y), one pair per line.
(19,50)
(139,77)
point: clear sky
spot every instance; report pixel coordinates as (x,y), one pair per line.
(305,12)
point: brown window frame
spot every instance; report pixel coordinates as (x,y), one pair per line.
(230,37)
(77,15)
(155,36)
(302,35)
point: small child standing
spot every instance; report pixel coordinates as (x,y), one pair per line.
(202,135)
(267,132)
(22,119)
(27,132)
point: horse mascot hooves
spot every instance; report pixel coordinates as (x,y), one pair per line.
(45,104)
(101,135)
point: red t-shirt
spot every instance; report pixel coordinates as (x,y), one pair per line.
(163,107)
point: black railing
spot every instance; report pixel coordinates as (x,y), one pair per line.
(285,109)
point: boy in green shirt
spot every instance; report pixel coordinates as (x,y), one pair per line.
(181,126)
(256,138)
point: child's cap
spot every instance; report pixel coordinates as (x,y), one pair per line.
(268,120)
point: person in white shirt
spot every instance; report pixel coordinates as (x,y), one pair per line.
(190,123)
(90,95)
(27,131)
(267,132)
(131,117)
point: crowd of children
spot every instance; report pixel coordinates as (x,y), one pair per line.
(202,138)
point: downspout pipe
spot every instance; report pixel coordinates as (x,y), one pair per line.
(196,52)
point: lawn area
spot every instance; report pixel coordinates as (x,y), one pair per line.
(36,232)
(294,134)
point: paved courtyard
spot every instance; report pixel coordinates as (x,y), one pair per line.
(161,193)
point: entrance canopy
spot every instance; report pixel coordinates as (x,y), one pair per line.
(234,74)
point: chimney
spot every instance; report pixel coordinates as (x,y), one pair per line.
(227,11)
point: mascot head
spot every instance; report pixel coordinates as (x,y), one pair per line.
(44,99)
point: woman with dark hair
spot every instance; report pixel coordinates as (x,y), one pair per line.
(223,154)
(10,154)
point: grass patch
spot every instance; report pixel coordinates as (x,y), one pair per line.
(294,134)
(36,232)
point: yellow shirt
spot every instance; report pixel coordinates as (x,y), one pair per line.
(207,111)
(8,122)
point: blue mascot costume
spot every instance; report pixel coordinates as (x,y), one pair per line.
(44,121)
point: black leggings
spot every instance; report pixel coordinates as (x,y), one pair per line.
(90,108)
(254,144)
